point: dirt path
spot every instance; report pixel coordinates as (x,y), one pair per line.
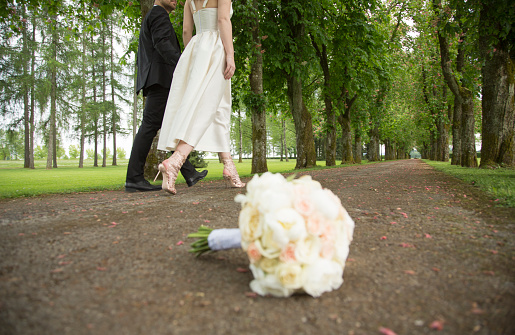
(428,251)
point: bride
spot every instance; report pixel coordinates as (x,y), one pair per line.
(198,109)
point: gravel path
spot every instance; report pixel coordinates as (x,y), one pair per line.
(430,255)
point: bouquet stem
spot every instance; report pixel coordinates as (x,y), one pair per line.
(201,245)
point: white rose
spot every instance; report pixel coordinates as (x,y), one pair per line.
(341,251)
(257,272)
(307,250)
(241,198)
(264,284)
(325,204)
(268,265)
(286,225)
(270,201)
(307,182)
(267,181)
(289,275)
(249,222)
(267,245)
(322,276)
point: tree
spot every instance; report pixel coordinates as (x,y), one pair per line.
(295,18)
(344,26)
(73,151)
(464,146)
(249,60)
(497,39)
(256,101)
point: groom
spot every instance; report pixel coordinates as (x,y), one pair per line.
(158,53)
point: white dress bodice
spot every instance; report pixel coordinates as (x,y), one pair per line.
(205,19)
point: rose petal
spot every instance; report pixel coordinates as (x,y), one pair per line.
(386,331)
(436,325)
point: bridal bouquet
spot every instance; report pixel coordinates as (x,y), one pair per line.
(296,235)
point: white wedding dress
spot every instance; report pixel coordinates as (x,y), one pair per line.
(198,110)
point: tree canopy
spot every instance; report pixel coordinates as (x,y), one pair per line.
(326,80)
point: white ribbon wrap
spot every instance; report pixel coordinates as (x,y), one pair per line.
(222,239)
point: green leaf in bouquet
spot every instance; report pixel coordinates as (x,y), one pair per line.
(201,245)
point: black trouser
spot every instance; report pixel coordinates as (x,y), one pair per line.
(153,113)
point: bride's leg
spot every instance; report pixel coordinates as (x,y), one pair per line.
(170,167)
(230,173)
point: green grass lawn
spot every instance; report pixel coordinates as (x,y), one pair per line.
(15,181)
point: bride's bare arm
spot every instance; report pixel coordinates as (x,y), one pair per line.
(225,26)
(187,23)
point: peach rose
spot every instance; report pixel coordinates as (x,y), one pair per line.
(288,254)
(253,253)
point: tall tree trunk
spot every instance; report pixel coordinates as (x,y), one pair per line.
(54,134)
(259,164)
(32,95)
(468,144)
(95,112)
(104,100)
(330,116)
(443,141)
(306,154)
(82,116)
(51,156)
(390,153)
(357,147)
(347,150)
(285,143)
(456,132)
(498,71)
(344,120)
(26,92)
(373,151)
(433,144)
(282,139)
(330,136)
(442,126)
(114,114)
(463,104)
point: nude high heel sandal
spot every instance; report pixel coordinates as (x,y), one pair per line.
(170,169)
(232,178)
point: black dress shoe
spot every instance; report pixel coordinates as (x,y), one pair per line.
(141,186)
(198,176)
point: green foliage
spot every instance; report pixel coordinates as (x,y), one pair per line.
(90,154)
(197,159)
(257,101)
(371,49)
(40,152)
(74,151)
(120,153)
(11,144)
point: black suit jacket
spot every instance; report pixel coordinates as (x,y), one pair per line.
(158,50)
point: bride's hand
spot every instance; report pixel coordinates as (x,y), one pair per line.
(230,67)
